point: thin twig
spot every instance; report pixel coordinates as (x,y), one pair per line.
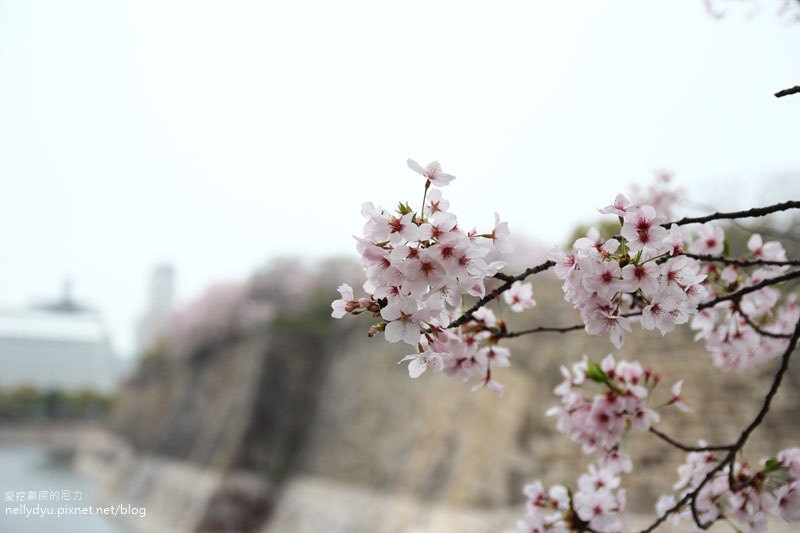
(666,438)
(509,280)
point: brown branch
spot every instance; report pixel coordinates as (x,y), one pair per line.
(741,262)
(508,281)
(747,213)
(787,92)
(540,329)
(666,438)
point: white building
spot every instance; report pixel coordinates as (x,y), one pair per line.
(154,323)
(59,346)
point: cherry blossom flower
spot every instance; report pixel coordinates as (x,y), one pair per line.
(788,502)
(501,236)
(433,172)
(344,305)
(605,279)
(771,251)
(403,316)
(642,229)
(644,277)
(790,459)
(675,240)
(519,297)
(566,264)
(602,321)
(420,362)
(677,399)
(495,355)
(663,313)
(435,203)
(619,206)
(710,240)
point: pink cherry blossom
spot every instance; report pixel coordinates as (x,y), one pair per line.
(642,229)
(619,206)
(420,362)
(433,172)
(710,240)
(602,321)
(677,398)
(605,279)
(675,240)
(403,316)
(501,236)
(435,203)
(771,251)
(519,297)
(644,277)
(344,305)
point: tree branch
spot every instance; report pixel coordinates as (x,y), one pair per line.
(756,327)
(741,262)
(747,213)
(752,288)
(787,92)
(540,329)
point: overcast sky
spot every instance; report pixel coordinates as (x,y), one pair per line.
(215,135)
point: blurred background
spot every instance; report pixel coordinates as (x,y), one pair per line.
(179,187)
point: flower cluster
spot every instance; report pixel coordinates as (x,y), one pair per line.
(748,496)
(419,266)
(746,332)
(600,421)
(610,281)
(597,505)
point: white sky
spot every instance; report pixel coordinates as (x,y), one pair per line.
(215,135)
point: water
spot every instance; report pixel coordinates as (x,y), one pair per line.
(35,469)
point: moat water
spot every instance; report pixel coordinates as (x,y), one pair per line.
(37,485)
